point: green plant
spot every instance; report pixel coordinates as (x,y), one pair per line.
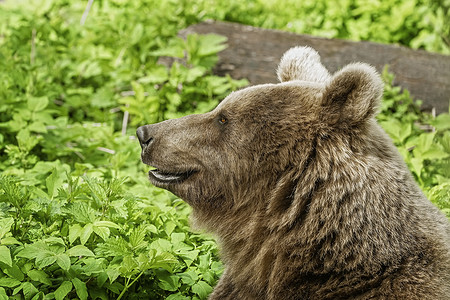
(87,237)
(69,227)
(414,23)
(423,141)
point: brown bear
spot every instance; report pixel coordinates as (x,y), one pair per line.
(306,193)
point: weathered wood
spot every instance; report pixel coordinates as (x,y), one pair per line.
(254,53)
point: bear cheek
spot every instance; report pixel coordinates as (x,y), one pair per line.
(208,182)
(201,193)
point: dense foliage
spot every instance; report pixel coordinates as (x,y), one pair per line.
(416,23)
(78,218)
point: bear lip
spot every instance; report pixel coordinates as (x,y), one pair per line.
(164,177)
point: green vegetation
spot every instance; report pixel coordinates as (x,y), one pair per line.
(415,23)
(423,141)
(78,217)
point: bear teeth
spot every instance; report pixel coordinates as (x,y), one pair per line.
(165,177)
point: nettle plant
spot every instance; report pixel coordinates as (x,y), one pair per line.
(422,139)
(69,227)
(80,237)
(185,87)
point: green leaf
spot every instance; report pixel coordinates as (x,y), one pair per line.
(424,142)
(102,278)
(138,91)
(441,122)
(113,273)
(143,262)
(5,256)
(177,237)
(115,246)
(445,141)
(82,212)
(86,233)
(89,68)
(434,153)
(194,73)
(106,224)
(202,289)
(211,44)
(163,260)
(44,259)
(14,272)
(169,282)
(63,260)
(31,251)
(103,97)
(10,241)
(63,290)
(189,256)
(161,245)
(398,131)
(189,277)
(80,288)
(79,250)
(74,232)
(169,227)
(208,276)
(136,34)
(128,265)
(40,276)
(37,103)
(53,182)
(92,266)
(25,140)
(9,282)
(55,241)
(204,262)
(29,290)
(97,191)
(157,74)
(3,295)
(102,232)
(416,164)
(175,48)
(137,237)
(5,226)
(37,126)
(177,296)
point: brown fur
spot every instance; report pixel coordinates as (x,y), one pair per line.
(307,195)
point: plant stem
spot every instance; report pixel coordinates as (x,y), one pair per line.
(86,12)
(128,285)
(33,46)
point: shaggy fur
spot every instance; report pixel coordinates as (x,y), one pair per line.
(307,195)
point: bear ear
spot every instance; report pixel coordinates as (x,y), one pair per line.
(353,94)
(302,63)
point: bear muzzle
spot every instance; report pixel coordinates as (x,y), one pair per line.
(164,173)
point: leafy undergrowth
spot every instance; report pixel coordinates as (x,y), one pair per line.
(78,217)
(414,23)
(80,237)
(422,139)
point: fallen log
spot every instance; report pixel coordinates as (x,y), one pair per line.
(254,53)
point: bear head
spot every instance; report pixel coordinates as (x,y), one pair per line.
(231,156)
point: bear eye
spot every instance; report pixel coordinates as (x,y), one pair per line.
(223,120)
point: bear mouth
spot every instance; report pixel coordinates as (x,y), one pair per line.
(161,177)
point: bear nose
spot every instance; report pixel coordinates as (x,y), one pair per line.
(144,136)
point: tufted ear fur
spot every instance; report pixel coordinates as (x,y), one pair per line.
(301,63)
(353,94)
